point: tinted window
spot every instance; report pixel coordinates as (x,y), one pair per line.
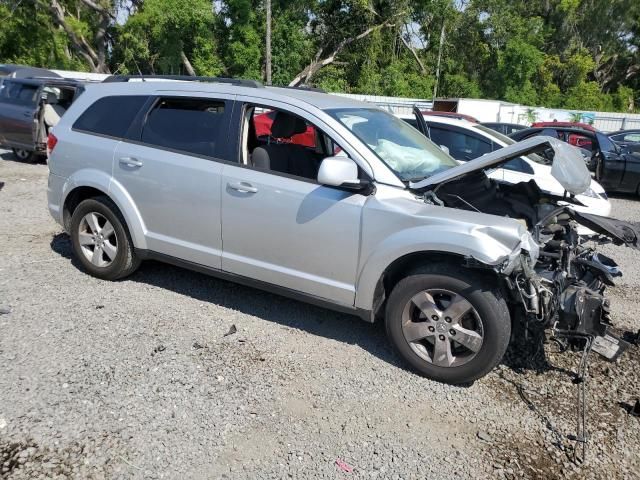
(15,92)
(461,146)
(193,125)
(110,116)
(518,165)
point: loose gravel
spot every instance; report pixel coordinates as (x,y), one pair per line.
(145,378)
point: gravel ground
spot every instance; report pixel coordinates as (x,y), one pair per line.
(136,379)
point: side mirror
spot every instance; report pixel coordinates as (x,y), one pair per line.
(340,172)
(445,149)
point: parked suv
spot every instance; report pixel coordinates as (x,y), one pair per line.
(374,219)
(29,107)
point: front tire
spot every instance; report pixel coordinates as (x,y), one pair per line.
(101,241)
(448,323)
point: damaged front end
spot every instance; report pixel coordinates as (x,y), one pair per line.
(556,276)
(565,288)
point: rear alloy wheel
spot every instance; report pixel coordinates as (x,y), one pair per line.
(100,239)
(27,156)
(97,238)
(448,323)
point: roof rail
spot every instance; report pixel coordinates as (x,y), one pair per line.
(186,78)
(306,87)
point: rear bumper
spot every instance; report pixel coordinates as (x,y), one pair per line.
(54,197)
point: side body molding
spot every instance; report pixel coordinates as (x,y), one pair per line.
(102,181)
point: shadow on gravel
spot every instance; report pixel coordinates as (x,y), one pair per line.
(273,308)
(8,156)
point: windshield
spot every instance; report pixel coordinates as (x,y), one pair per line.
(403,148)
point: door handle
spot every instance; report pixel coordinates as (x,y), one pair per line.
(130,162)
(243,187)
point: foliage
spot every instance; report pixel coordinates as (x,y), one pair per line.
(574,54)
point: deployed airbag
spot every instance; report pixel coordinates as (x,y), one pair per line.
(569,167)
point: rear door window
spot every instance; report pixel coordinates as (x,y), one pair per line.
(110,116)
(191,125)
(19,93)
(462,146)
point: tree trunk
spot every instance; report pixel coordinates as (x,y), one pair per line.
(187,64)
(435,86)
(415,54)
(318,62)
(96,60)
(268,43)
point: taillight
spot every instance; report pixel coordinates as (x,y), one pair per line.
(52,140)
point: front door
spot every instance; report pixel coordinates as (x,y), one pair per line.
(286,229)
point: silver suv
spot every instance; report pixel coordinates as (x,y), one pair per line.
(334,202)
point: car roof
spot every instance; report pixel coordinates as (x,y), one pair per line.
(507,124)
(37,81)
(622,132)
(578,131)
(582,125)
(321,100)
(438,119)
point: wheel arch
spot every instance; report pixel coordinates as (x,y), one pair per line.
(90,184)
(385,267)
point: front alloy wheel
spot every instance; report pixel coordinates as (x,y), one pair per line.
(449,323)
(442,327)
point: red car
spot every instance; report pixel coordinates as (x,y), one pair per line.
(573,139)
(264,121)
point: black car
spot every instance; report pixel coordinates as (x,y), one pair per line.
(504,128)
(28,108)
(627,139)
(625,136)
(617,167)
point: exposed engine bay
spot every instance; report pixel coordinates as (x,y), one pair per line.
(564,286)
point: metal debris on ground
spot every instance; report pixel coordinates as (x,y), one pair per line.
(158,349)
(4,310)
(231,331)
(345,467)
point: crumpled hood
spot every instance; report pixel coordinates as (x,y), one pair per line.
(568,166)
(619,231)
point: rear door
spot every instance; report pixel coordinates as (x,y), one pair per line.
(18,113)
(171,166)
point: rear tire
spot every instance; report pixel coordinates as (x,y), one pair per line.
(450,324)
(26,156)
(101,240)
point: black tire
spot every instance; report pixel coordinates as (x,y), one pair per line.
(125,261)
(599,173)
(490,309)
(26,156)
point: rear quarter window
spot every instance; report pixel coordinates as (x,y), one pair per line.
(110,116)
